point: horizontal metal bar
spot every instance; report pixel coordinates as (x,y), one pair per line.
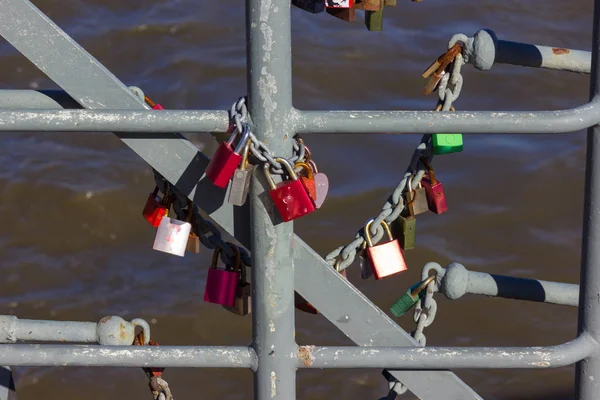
(438,358)
(484,50)
(503,122)
(127,356)
(125,121)
(129,121)
(458,281)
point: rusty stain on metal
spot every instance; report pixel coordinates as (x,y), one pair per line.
(305,354)
(560,51)
(122,331)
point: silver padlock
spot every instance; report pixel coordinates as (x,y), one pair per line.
(115,331)
(240,183)
(172,236)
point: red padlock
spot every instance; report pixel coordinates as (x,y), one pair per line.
(225,161)
(386,259)
(290,196)
(436,199)
(222,284)
(153,104)
(156,208)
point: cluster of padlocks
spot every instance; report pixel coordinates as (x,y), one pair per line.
(301,190)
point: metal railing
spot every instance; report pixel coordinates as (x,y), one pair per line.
(274,355)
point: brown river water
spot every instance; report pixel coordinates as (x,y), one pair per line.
(75,247)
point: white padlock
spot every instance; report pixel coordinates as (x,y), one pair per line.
(172,236)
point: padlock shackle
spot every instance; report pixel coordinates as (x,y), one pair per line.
(245,154)
(155,191)
(288,167)
(423,285)
(313,165)
(368,237)
(268,175)
(306,167)
(245,137)
(430,171)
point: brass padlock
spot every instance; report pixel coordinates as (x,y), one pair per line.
(416,200)
(193,243)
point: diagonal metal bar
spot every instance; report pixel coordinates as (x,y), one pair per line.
(94,87)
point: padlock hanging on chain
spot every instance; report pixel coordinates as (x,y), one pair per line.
(436,198)
(172,235)
(411,297)
(307,177)
(222,284)
(321,180)
(386,259)
(226,159)
(416,199)
(240,183)
(156,208)
(289,196)
(243,302)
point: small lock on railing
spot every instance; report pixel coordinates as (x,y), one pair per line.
(321,180)
(225,161)
(386,259)
(289,196)
(222,284)
(240,183)
(411,297)
(243,301)
(436,199)
(156,208)
(172,235)
(416,199)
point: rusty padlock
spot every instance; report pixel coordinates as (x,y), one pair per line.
(308,179)
(386,259)
(416,200)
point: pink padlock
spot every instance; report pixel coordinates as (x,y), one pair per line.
(221,284)
(436,198)
(225,161)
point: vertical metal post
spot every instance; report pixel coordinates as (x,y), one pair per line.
(268,34)
(588,370)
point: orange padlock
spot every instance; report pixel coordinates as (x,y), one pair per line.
(308,179)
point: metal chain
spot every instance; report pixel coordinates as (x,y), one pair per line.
(238,116)
(448,90)
(424,315)
(209,235)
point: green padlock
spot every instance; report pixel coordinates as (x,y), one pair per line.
(405,229)
(410,298)
(446,143)
(374,19)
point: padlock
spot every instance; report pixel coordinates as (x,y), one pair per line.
(368,5)
(222,284)
(339,3)
(172,236)
(225,161)
(193,243)
(410,298)
(240,183)
(312,6)
(374,18)
(156,208)
(308,179)
(404,228)
(416,200)
(289,196)
(321,180)
(446,143)
(386,259)
(303,305)
(436,199)
(243,293)
(153,104)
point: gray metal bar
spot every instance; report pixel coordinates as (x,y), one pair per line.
(457,281)
(349,310)
(436,358)
(269,65)
(487,122)
(497,122)
(128,356)
(587,384)
(484,50)
(53,331)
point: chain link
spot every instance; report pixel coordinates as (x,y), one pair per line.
(238,116)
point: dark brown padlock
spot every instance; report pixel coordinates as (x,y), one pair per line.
(243,300)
